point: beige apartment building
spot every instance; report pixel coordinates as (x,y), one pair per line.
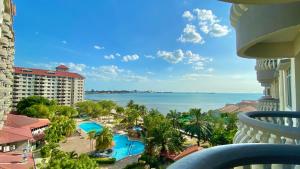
(7,51)
(60,84)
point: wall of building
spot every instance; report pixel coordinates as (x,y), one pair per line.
(66,90)
(6,57)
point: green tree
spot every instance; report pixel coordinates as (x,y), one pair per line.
(106,106)
(60,127)
(173,116)
(33,100)
(64,111)
(60,160)
(160,135)
(199,126)
(89,108)
(38,111)
(166,138)
(104,139)
(224,129)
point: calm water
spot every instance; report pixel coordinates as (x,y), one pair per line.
(123,146)
(179,101)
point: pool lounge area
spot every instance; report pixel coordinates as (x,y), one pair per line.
(124,147)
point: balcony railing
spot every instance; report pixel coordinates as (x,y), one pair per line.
(268,104)
(268,127)
(243,156)
(266,70)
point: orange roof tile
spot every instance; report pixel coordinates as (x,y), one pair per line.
(20,121)
(43,72)
(14,161)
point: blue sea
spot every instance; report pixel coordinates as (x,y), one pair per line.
(180,101)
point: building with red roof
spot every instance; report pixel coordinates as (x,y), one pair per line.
(19,131)
(60,84)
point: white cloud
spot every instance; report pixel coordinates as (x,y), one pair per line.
(205,15)
(118,54)
(98,47)
(210,70)
(172,57)
(197,61)
(190,35)
(149,57)
(150,73)
(109,57)
(194,76)
(64,42)
(219,30)
(128,58)
(210,24)
(79,68)
(188,15)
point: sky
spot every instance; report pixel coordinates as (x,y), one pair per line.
(169,45)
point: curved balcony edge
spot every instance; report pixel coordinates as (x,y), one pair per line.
(286,131)
(235,155)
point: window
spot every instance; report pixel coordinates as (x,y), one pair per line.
(289,88)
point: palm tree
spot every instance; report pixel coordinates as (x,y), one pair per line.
(142,110)
(130,104)
(173,116)
(91,136)
(199,126)
(104,139)
(166,138)
(73,155)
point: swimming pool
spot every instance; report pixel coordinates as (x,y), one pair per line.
(123,148)
(90,126)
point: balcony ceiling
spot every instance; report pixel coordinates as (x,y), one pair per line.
(267,31)
(260,1)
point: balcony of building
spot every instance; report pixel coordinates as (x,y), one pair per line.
(268,104)
(243,156)
(266,69)
(265,140)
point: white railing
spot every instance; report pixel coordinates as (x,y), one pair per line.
(268,104)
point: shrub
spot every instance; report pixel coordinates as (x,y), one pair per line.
(137,165)
(153,161)
(105,160)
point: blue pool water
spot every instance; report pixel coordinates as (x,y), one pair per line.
(123,146)
(90,126)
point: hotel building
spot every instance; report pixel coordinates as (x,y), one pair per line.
(7,51)
(268,31)
(61,85)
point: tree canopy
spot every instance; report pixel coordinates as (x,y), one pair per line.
(25,103)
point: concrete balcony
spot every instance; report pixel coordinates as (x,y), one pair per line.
(266,31)
(268,127)
(266,69)
(243,156)
(268,104)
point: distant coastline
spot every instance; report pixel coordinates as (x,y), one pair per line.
(182,102)
(120,91)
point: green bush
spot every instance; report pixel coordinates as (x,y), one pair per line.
(153,161)
(105,160)
(137,165)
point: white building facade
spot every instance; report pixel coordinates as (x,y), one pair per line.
(65,87)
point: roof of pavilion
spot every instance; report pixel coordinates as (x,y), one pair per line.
(18,128)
